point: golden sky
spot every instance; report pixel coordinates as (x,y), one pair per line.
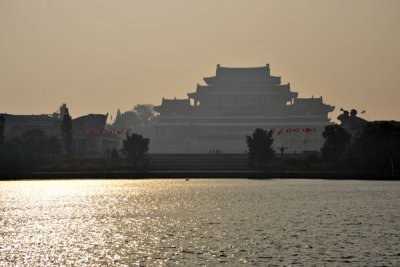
(101,55)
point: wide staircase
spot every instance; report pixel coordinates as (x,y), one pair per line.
(199,162)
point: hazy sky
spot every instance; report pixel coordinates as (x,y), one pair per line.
(100,55)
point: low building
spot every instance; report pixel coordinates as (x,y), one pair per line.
(89,134)
(17,125)
(91,139)
(231,105)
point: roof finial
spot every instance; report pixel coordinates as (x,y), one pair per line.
(267,65)
(218,65)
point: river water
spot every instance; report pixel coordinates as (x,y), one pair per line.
(236,222)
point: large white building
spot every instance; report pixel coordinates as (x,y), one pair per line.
(232,104)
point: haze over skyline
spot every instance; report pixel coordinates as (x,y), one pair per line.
(98,56)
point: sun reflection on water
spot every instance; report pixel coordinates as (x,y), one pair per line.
(209,222)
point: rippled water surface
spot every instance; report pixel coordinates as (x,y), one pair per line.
(199,222)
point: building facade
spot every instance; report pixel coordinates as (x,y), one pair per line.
(231,105)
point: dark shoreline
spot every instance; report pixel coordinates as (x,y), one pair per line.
(199,174)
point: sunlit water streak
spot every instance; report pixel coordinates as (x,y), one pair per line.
(199,222)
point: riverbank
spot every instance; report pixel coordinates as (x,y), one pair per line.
(195,166)
(198,174)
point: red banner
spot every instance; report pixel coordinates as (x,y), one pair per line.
(106,132)
(293,130)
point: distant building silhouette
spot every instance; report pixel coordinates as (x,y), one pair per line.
(88,145)
(231,105)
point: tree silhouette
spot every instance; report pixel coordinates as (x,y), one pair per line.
(145,114)
(66,133)
(114,155)
(119,123)
(378,145)
(337,141)
(131,120)
(2,126)
(282,150)
(137,119)
(260,146)
(135,147)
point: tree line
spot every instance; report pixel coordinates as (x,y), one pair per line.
(375,147)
